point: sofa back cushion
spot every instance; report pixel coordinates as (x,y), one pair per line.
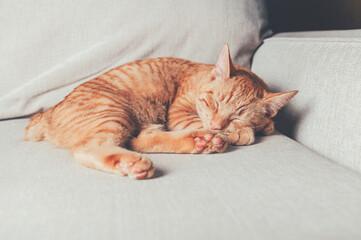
(49,47)
(326,69)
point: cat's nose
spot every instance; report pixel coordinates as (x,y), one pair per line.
(215,126)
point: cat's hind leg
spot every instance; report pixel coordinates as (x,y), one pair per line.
(154,139)
(114,159)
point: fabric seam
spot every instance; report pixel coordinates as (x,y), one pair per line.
(287,39)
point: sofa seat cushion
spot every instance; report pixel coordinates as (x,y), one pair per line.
(326,69)
(274,189)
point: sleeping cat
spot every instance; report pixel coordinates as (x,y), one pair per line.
(158,105)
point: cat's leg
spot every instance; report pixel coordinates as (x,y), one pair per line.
(154,139)
(242,136)
(187,134)
(114,159)
(246,135)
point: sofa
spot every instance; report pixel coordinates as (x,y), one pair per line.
(302,182)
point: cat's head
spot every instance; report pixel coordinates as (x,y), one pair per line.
(236,98)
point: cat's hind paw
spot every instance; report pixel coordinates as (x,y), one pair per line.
(140,168)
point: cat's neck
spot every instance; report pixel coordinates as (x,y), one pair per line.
(187,73)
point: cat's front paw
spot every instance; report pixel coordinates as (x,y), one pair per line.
(269,128)
(209,143)
(243,136)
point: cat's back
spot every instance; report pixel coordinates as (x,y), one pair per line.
(149,78)
(140,90)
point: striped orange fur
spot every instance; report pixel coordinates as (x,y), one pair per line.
(158,105)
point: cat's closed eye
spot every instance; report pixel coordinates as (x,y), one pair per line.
(204,102)
(235,117)
(239,110)
(209,104)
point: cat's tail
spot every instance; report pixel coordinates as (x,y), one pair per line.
(35,131)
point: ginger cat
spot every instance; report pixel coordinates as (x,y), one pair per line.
(158,105)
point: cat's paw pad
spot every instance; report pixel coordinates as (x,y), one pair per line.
(140,168)
(209,143)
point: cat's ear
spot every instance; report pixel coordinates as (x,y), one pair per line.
(274,101)
(224,67)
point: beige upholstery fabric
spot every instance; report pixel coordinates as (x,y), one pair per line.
(274,189)
(335,35)
(49,47)
(326,69)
